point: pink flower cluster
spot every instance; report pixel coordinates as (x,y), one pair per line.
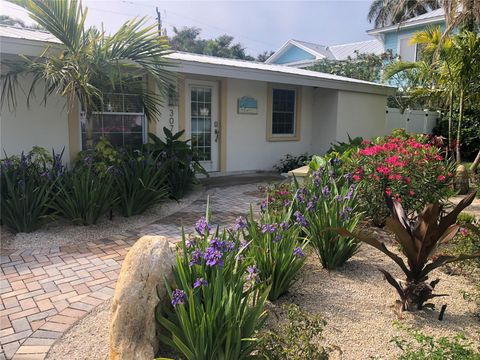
(405,167)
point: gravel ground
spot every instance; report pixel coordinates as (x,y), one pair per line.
(356,302)
(61,232)
(87,340)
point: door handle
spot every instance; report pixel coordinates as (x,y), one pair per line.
(216,135)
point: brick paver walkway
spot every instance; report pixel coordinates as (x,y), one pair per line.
(43,292)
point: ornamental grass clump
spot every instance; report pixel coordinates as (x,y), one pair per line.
(419,240)
(276,247)
(26,185)
(411,169)
(140,183)
(84,195)
(327,200)
(217,300)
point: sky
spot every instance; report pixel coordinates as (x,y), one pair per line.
(257,25)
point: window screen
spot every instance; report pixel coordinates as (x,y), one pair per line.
(406,51)
(120,118)
(283,112)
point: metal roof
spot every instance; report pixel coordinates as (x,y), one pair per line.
(333,52)
(320,50)
(228,66)
(434,16)
(270,68)
(27,34)
(343,51)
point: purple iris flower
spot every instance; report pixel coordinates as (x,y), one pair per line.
(200,282)
(240,223)
(338,198)
(178,297)
(297,252)
(350,192)
(277,238)
(252,273)
(345,213)
(202,226)
(300,197)
(326,191)
(196,258)
(300,218)
(269,228)
(7,163)
(213,257)
(284,225)
(310,206)
(263,205)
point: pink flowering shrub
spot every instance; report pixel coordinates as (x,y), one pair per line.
(411,169)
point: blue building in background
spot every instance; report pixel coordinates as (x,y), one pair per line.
(394,38)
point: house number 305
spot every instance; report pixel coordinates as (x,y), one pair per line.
(171,119)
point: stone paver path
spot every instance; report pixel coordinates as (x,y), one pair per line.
(44,291)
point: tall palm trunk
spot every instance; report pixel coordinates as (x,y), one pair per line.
(89,127)
(450,116)
(459,126)
(475,163)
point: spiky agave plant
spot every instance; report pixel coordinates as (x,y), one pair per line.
(419,240)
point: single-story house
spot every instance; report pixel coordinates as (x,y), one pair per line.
(240,115)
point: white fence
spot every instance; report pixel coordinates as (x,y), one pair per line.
(413,121)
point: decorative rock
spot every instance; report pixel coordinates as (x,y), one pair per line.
(461,180)
(132,326)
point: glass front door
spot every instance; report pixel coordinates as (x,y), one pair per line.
(203,125)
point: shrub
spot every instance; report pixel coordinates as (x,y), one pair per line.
(84,195)
(217,303)
(467,241)
(408,168)
(181,164)
(277,196)
(327,201)
(103,157)
(470,133)
(290,162)
(26,188)
(298,339)
(429,348)
(275,247)
(418,241)
(139,183)
(340,147)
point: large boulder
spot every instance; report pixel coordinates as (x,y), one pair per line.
(132,324)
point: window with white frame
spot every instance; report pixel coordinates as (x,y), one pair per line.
(121,119)
(283,111)
(407,51)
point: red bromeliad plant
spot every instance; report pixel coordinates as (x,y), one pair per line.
(410,169)
(419,240)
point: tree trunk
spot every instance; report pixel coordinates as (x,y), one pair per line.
(475,163)
(459,127)
(89,128)
(450,116)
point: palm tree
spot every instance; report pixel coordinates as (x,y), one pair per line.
(390,12)
(90,64)
(9,21)
(461,13)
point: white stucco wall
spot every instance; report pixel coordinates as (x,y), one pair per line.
(39,125)
(324,127)
(360,114)
(247,147)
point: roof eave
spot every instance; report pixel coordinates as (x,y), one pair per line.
(229,71)
(402,26)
